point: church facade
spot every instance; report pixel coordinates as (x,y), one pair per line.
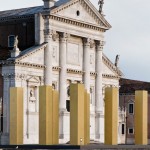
(58,44)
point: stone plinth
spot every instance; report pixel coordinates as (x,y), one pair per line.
(141,128)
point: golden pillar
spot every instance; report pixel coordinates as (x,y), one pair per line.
(77,114)
(111,116)
(141,114)
(87,118)
(48,116)
(16,116)
(55,117)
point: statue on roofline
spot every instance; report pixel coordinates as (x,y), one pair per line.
(117,60)
(16,42)
(100,3)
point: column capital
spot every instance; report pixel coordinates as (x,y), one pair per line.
(63,36)
(51,34)
(88,42)
(99,45)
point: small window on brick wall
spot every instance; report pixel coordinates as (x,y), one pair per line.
(131,108)
(130,131)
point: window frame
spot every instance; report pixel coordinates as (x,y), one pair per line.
(9,40)
(131,103)
(129,129)
(124,129)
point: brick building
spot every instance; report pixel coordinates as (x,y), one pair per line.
(126,101)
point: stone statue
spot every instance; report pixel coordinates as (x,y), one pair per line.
(100,3)
(32,96)
(31,93)
(117,60)
(16,42)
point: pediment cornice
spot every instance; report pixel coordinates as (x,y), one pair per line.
(111,66)
(78,23)
(101,21)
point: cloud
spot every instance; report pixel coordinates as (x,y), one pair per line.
(129,36)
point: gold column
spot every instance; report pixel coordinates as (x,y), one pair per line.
(111,116)
(77,114)
(16,116)
(141,114)
(55,118)
(48,116)
(87,118)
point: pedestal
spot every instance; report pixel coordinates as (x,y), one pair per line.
(48,116)
(141,112)
(16,116)
(111,116)
(77,114)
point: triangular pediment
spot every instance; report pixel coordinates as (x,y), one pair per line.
(110,69)
(32,55)
(81,10)
(33,79)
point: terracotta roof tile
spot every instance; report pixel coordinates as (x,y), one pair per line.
(130,86)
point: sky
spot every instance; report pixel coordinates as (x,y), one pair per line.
(129,36)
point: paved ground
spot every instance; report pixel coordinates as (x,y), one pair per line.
(71,147)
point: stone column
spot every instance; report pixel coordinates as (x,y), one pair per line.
(86,63)
(64,115)
(63,72)
(48,51)
(39,28)
(99,69)
(98,92)
(6,110)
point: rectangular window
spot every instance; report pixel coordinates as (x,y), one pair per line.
(68,105)
(130,130)
(131,108)
(11,40)
(123,129)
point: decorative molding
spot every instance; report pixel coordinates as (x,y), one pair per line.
(77,23)
(109,76)
(56,68)
(74,71)
(93,74)
(25,64)
(14,76)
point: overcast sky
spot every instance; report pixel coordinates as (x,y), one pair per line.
(129,36)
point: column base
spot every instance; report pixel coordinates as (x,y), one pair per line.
(4,139)
(92,126)
(64,126)
(99,125)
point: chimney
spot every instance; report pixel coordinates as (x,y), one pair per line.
(49,3)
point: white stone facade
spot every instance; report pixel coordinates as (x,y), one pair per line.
(70,50)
